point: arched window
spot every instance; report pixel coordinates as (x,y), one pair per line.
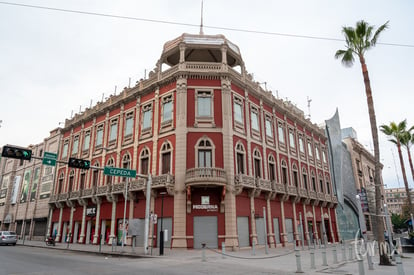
(295,176)
(272,168)
(240,157)
(71,180)
(166,158)
(126,164)
(284,172)
(82,179)
(305,178)
(313,181)
(109,163)
(60,183)
(205,153)
(320,183)
(328,186)
(144,161)
(257,160)
(95,176)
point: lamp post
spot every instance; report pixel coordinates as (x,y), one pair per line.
(162,230)
(125,207)
(389,228)
(362,228)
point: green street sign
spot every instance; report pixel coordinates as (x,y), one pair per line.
(49,158)
(120,172)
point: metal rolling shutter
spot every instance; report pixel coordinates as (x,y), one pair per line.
(166,224)
(276,229)
(289,230)
(40,228)
(260,231)
(205,231)
(243,231)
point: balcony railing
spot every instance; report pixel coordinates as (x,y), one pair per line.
(321,196)
(264,185)
(206,176)
(312,195)
(292,190)
(279,188)
(163,181)
(244,181)
(303,193)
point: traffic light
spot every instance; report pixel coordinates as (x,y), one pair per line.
(16,153)
(79,163)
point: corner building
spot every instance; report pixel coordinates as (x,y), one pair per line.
(223,154)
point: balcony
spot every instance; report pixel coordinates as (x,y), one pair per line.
(244,182)
(163,181)
(102,190)
(279,188)
(303,193)
(264,185)
(206,176)
(88,192)
(63,197)
(74,195)
(118,188)
(138,184)
(313,197)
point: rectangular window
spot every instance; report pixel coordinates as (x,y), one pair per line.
(318,156)
(129,123)
(65,150)
(255,120)
(292,142)
(310,152)
(324,156)
(113,131)
(238,111)
(295,179)
(167,108)
(269,131)
(144,165)
(257,168)
(147,117)
(86,141)
(305,181)
(284,175)
(99,136)
(204,105)
(75,145)
(281,132)
(301,145)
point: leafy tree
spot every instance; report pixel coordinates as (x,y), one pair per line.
(358,41)
(407,140)
(398,221)
(397,135)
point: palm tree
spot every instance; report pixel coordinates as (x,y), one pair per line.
(358,41)
(397,134)
(407,140)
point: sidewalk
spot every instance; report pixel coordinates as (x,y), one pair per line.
(278,260)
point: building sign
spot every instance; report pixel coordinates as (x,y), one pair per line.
(3,191)
(25,187)
(208,207)
(15,191)
(47,182)
(35,183)
(91,211)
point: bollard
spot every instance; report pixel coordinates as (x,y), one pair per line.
(343,253)
(335,256)
(223,250)
(399,264)
(369,259)
(361,270)
(203,252)
(324,261)
(298,263)
(350,253)
(312,258)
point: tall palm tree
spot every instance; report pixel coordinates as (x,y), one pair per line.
(397,134)
(358,41)
(408,140)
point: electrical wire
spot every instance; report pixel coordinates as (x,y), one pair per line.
(193,25)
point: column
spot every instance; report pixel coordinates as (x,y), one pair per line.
(97,221)
(252,219)
(82,233)
(295,224)
(58,236)
(330,226)
(284,234)
(179,239)
(113,222)
(305,221)
(314,224)
(270,232)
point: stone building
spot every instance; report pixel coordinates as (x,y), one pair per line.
(25,191)
(224,155)
(396,198)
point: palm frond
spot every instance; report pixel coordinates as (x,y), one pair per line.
(378,32)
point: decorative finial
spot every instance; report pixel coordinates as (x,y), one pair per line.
(201,25)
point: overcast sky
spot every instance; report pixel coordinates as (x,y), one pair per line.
(54,64)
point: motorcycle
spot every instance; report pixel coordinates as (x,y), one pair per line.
(50,241)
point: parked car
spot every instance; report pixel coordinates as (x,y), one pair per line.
(8,237)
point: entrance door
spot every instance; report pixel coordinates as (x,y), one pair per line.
(260,231)
(243,231)
(205,231)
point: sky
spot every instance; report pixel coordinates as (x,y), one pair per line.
(54,64)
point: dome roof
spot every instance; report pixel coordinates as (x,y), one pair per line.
(201,48)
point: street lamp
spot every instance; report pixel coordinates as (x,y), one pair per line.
(162,230)
(389,228)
